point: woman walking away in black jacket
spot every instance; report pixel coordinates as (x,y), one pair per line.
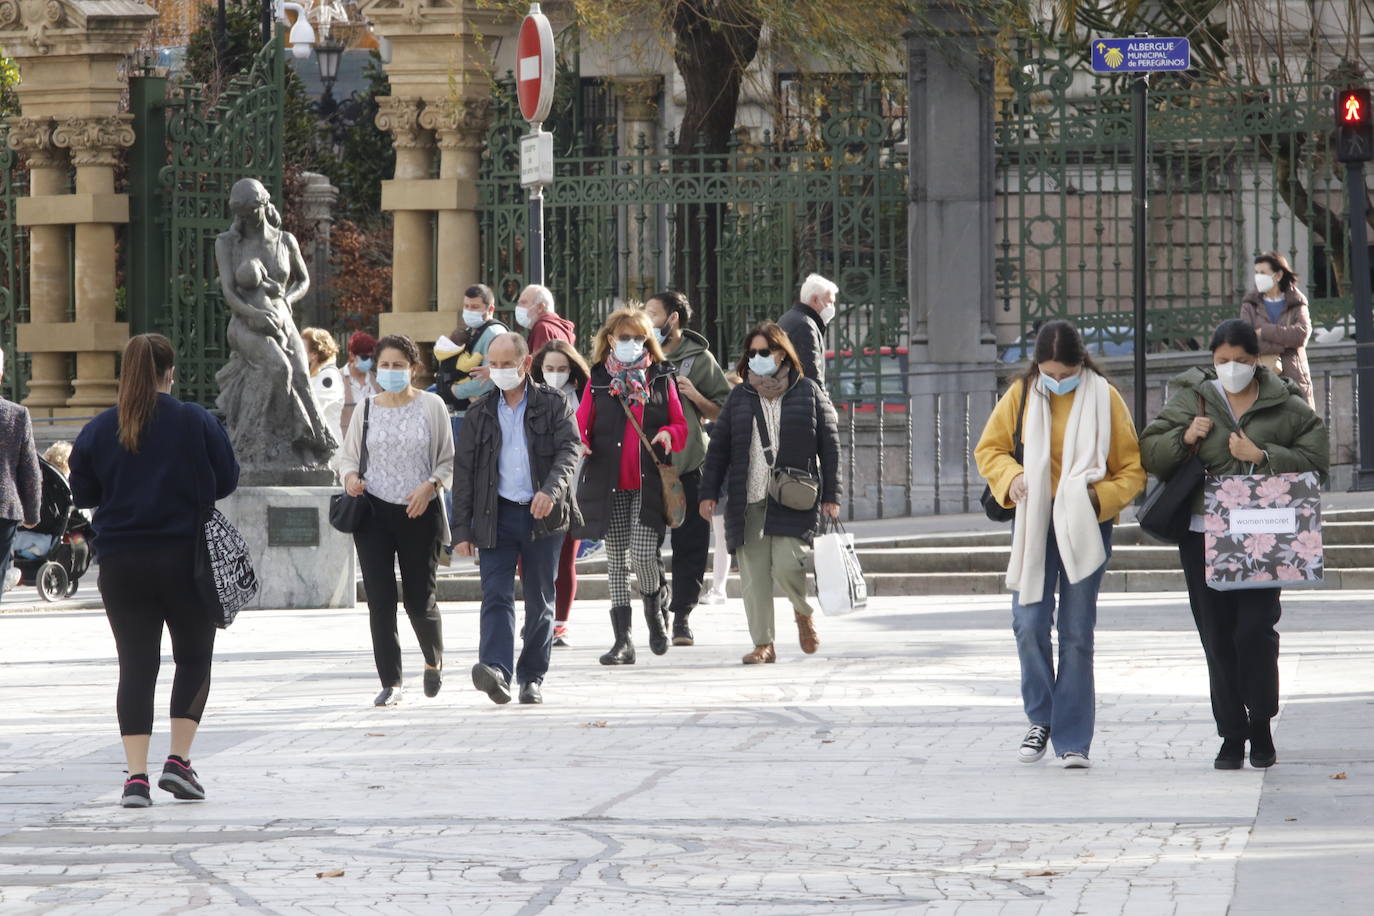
(777,421)
(151,466)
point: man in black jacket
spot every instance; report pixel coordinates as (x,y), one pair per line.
(806,324)
(20,481)
(513,501)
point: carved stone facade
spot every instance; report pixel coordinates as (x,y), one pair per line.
(440,74)
(71,56)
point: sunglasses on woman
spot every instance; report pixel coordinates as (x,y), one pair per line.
(766,351)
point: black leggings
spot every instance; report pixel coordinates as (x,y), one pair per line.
(142,590)
(389,539)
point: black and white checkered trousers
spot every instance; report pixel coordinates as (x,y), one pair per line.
(630,544)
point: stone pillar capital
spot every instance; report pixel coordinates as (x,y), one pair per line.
(638,95)
(95,141)
(461,124)
(400,117)
(32,139)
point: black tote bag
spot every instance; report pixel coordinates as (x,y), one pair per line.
(1167,510)
(350,513)
(991,506)
(222,568)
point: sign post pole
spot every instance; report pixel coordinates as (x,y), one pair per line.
(1140,56)
(1354,146)
(1140,209)
(535,65)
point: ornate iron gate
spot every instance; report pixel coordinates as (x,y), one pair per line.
(14,270)
(1235,169)
(833,202)
(187,157)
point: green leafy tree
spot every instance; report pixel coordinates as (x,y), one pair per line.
(9,82)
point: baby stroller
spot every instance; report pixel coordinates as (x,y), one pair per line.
(57,571)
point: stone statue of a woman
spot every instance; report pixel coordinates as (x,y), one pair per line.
(275,424)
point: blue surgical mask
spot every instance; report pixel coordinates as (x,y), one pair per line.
(474,319)
(1054,386)
(661,334)
(393,380)
(365,365)
(763,365)
(628,351)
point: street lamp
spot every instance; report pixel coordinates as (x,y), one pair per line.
(328,53)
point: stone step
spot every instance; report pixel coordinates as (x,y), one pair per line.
(887,585)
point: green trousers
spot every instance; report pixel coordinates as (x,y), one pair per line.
(764,561)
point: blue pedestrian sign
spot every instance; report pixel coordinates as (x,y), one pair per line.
(1140,55)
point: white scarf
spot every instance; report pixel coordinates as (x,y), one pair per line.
(1087,438)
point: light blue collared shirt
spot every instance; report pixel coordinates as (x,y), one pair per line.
(515,481)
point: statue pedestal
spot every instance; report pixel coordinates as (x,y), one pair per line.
(300,560)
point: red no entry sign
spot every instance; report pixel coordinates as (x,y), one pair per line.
(534,65)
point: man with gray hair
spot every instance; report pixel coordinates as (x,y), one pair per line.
(21,486)
(534,310)
(806,322)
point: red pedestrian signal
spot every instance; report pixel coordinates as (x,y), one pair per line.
(1354,127)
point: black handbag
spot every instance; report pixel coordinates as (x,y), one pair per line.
(991,507)
(1168,508)
(222,568)
(350,514)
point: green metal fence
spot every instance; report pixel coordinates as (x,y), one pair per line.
(1234,169)
(737,232)
(14,270)
(182,204)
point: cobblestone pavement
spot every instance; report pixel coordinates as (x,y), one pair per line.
(876,777)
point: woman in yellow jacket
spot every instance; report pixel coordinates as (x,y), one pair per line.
(1079,468)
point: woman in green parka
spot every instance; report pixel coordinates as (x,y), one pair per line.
(1247,420)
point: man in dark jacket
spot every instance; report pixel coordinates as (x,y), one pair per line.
(21,486)
(806,323)
(702,388)
(512,500)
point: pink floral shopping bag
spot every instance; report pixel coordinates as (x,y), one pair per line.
(1263,531)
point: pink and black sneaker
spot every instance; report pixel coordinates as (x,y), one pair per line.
(136,793)
(179,779)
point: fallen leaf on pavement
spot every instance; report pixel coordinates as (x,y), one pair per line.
(1290,818)
(1340,775)
(376,787)
(376,734)
(1041,874)
(828,741)
(334,873)
(598,724)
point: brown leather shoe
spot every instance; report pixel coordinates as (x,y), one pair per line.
(762,655)
(806,633)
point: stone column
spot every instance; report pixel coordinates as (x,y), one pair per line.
(95,145)
(413,260)
(461,126)
(638,97)
(951,244)
(49,277)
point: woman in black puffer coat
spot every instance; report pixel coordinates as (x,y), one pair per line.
(776,419)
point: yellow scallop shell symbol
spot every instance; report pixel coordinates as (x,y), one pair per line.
(1114,57)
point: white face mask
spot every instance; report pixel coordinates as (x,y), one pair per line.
(1235,377)
(522,316)
(556,379)
(1264,282)
(828,314)
(474,319)
(506,379)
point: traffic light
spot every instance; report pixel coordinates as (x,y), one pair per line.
(1354,126)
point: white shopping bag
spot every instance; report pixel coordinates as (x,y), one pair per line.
(840,585)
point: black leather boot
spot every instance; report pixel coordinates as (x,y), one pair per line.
(1262,753)
(623,652)
(656,616)
(1232,754)
(682,633)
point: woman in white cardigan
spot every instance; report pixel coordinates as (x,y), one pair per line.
(1080,466)
(409,447)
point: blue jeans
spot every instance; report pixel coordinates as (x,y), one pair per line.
(539,563)
(1063,702)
